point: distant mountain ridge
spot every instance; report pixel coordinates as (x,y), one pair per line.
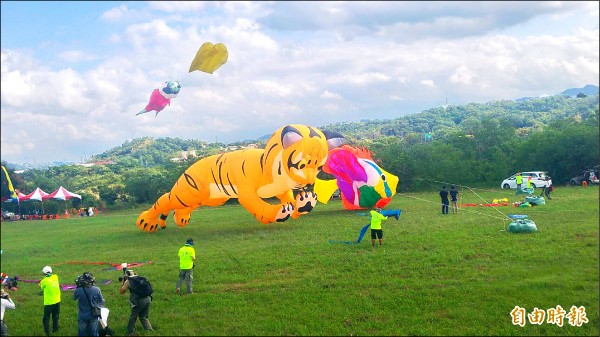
(588,90)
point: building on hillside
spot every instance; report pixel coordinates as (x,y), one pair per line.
(185,155)
(96,163)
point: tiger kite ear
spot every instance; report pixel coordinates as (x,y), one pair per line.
(334,139)
(289,136)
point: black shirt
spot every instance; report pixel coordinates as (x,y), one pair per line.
(444,195)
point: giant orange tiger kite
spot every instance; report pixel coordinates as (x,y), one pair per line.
(291,160)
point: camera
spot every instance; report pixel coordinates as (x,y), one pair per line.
(80,281)
(124,277)
(85,280)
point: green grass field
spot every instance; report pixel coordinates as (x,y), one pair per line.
(455,274)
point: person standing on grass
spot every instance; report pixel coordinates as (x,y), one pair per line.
(547,189)
(88,297)
(445,201)
(7,303)
(519,180)
(187,256)
(51,288)
(454,199)
(376,230)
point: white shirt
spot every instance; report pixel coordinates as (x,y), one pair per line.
(6,304)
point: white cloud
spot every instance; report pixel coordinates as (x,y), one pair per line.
(76,56)
(289,62)
(428,83)
(330,95)
(116,13)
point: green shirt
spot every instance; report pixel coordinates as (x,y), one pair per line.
(51,288)
(376,219)
(187,254)
(519,179)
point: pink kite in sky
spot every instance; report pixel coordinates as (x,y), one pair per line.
(161,97)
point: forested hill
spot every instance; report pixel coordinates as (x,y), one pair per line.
(525,116)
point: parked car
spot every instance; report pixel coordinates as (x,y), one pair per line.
(8,215)
(590,176)
(538,179)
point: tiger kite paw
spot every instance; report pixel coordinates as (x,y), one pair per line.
(147,224)
(182,217)
(285,212)
(305,202)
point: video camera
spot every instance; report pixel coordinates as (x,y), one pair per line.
(11,283)
(85,280)
(124,267)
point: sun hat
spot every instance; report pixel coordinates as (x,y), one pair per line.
(47,270)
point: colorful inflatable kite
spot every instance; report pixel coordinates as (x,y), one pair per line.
(291,160)
(209,57)
(161,97)
(362,183)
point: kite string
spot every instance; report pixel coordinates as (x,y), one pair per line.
(462,186)
(464,209)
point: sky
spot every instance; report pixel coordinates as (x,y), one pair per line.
(75,73)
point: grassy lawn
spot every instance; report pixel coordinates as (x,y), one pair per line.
(455,274)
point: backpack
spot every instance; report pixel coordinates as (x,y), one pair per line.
(140,286)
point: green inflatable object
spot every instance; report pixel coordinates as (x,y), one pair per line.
(527,191)
(521,224)
(535,200)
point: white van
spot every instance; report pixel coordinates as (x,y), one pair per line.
(538,179)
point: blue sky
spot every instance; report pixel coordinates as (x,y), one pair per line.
(74,74)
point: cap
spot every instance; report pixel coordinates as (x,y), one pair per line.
(47,270)
(131,273)
(189,241)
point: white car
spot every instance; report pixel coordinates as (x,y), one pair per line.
(8,215)
(538,179)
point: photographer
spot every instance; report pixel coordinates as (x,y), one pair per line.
(90,301)
(7,303)
(140,305)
